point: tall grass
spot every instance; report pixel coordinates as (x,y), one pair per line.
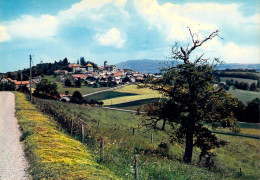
(52,154)
(154,163)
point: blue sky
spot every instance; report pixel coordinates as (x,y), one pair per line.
(119,30)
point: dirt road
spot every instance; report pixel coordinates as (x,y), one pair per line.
(13,164)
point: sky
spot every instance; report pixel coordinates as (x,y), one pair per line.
(120,30)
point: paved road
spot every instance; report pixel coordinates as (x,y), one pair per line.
(13,164)
(126,110)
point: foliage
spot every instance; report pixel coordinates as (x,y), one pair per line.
(253,111)
(238,74)
(67,83)
(156,162)
(193,104)
(23,89)
(7,86)
(46,89)
(77,98)
(252,87)
(78,83)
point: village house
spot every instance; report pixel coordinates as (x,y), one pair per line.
(74,67)
(21,83)
(89,67)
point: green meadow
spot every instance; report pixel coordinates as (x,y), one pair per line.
(121,145)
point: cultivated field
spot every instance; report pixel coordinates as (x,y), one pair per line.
(128,97)
(243,95)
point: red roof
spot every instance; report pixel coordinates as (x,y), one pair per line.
(9,79)
(74,65)
(118,74)
(21,82)
(101,67)
(80,76)
(89,64)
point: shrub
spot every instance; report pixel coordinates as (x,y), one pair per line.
(77,98)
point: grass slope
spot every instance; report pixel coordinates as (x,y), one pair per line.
(154,163)
(53,154)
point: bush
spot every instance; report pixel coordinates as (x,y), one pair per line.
(252,111)
(78,83)
(77,98)
(67,83)
(46,89)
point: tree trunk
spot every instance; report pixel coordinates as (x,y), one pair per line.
(163,126)
(189,147)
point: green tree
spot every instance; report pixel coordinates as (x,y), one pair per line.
(77,98)
(67,83)
(252,87)
(46,89)
(78,83)
(253,111)
(192,105)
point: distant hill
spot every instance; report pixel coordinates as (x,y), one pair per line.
(153,66)
(144,65)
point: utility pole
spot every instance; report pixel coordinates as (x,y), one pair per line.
(30,78)
(21,80)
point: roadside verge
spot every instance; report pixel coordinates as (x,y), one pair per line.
(51,153)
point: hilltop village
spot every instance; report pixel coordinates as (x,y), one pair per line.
(74,74)
(92,74)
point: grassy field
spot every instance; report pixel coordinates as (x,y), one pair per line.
(243,95)
(52,154)
(127,96)
(83,90)
(156,163)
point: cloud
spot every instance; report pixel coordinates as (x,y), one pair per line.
(111,38)
(230,52)
(30,27)
(172,19)
(4,36)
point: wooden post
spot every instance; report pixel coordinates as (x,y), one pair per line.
(71,128)
(102,149)
(133,131)
(115,126)
(82,133)
(152,138)
(98,123)
(240,171)
(136,168)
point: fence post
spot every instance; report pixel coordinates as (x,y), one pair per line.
(133,131)
(102,149)
(82,133)
(136,168)
(71,128)
(98,123)
(152,138)
(115,126)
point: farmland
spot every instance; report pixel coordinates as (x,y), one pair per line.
(243,95)
(128,97)
(155,163)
